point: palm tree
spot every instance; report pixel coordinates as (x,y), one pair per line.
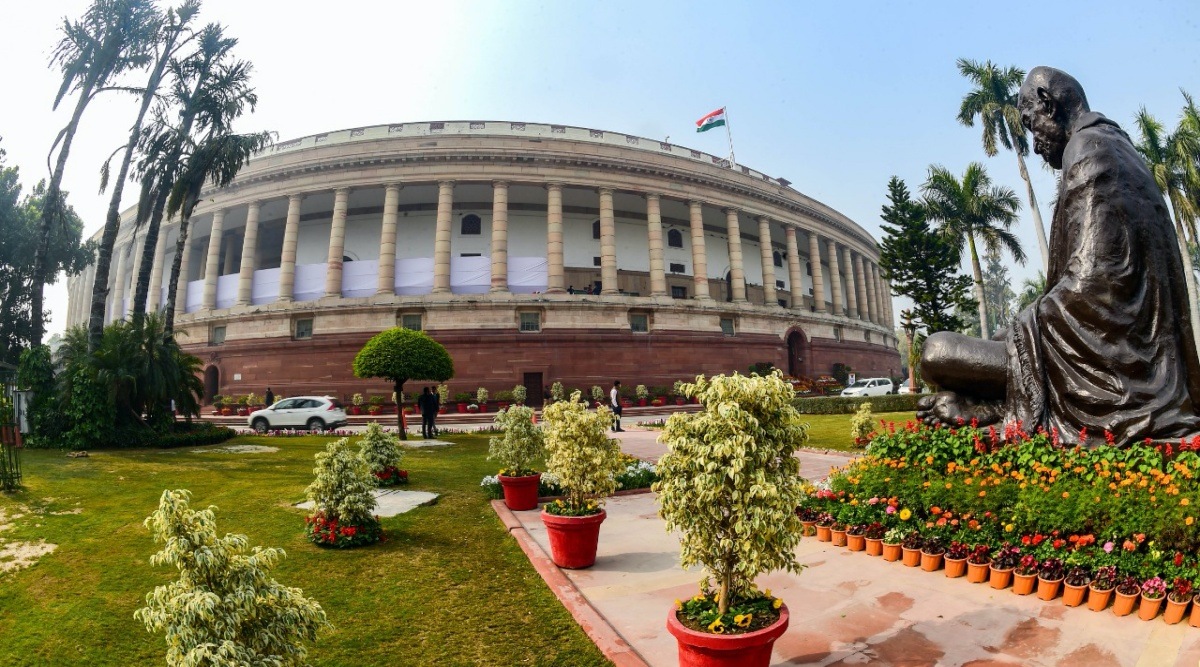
(1171,159)
(994,101)
(110,39)
(974,208)
(1031,289)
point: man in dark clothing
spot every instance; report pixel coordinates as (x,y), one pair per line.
(270,397)
(428,405)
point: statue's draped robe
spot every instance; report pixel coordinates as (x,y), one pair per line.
(1109,346)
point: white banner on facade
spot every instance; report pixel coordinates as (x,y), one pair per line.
(310,282)
(360,278)
(527,275)
(470,275)
(195,295)
(414,276)
(227,288)
(265,287)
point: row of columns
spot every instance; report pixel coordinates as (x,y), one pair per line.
(865,296)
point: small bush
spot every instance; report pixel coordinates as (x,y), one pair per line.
(343,498)
(848,405)
(382,453)
(521,444)
(862,424)
(580,454)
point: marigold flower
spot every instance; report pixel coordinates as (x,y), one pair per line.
(1066,494)
(982,494)
(1189,521)
(1184,501)
(905,514)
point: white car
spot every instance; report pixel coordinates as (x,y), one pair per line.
(869,387)
(315,413)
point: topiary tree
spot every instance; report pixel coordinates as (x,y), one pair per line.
(581,455)
(519,394)
(225,609)
(730,482)
(521,444)
(557,391)
(343,498)
(862,423)
(382,453)
(401,355)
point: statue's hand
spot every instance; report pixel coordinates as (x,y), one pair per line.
(947,408)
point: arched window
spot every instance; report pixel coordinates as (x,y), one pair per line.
(347,258)
(596,229)
(674,238)
(778,258)
(472,225)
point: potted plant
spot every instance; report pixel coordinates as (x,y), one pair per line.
(443,393)
(753,426)
(1004,561)
(375,405)
(462,398)
(503,399)
(586,463)
(1154,590)
(253,402)
(516,451)
(856,537)
(242,408)
(1100,589)
(912,548)
(519,394)
(680,398)
(874,536)
(979,563)
(1128,592)
(356,404)
(598,396)
(472,408)
(557,392)
(1177,600)
(643,394)
(481,397)
(1050,577)
(343,497)
(1075,586)
(808,520)
(825,527)
(382,453)
(839,531)
(1025,575)
(956,559)
(891,544)
(932,550)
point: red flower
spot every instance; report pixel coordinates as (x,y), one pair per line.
(1178,559)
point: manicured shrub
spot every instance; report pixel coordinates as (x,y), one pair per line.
(343,498)
(862,424)
(580,455)
(521,444)
(382,453)
(848,405)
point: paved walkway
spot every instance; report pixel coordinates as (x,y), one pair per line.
(848,608)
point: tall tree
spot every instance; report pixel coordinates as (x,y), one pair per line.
(994,101)
(94,51)
(997,291)
(921,264)
(170,34)
(1031,289)
(971,208)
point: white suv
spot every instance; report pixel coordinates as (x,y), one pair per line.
(869,387)
(315,413)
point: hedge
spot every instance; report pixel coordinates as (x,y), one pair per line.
(848,405)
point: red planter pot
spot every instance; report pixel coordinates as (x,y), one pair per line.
(573,539)
(702,649)
(462,407)
(520,493)
(642,402)
(680,401)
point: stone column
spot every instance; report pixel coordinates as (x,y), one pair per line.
(818,273)
(699,255)
(499,236)
(864,305)
(212,263)
(249,254)
(118,290)
(768,261)
(185,267)
(879,316)
(869,280)
(131,285)
(337,243)
(554,239)
(835,277)
(658,277)
(794,274)
(608,244)
(737,271)
(441,239)
(154,294)
(287,257)
(387,240)
(851,291)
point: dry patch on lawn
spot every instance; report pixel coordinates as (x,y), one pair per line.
(16,555)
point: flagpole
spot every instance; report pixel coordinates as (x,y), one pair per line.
(729,134)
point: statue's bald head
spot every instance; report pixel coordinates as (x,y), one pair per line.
(1049,102)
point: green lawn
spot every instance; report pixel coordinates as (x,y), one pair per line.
(448,587)
(833,431)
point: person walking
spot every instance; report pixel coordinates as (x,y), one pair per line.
(270,397)
(427,404)
(614,398)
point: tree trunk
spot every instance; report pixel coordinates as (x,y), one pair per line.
(173,283)
(978,274)
(1188,274)
(153,229)
(1037,214)
(401,427)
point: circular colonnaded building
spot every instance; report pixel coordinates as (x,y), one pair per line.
(535,253)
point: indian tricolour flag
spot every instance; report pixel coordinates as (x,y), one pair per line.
(714,119)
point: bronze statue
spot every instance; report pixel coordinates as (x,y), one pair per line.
(1109,345)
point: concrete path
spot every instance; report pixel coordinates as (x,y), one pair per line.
(391,502)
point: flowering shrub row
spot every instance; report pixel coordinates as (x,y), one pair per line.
(328,532)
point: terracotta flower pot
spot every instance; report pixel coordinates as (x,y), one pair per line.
(824,534)
(1175,611)
(839,538)
(1149,608)
(1023,583)
(520,493)
(1073,595)
(999,579)
(703,649)
(856,542)
(642,402)
(955,567)
(573,539)
(977,573)
(1125,603)
(1048,589)
(931,562)
(912,557)
(1098,598)
(810,528)
(1194,618)
(874,547)
(891,552)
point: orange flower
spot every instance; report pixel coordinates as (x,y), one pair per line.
(1066,494)
(1184,501)
(1189,521)
(982,494)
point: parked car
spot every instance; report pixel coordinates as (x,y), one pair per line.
(315,413)
(869,387)
(905,389)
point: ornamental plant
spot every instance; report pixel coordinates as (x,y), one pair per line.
(1154,588)
(381,452)
(1078,576)
(1051,569)
(1129,585)
(730,482)
(895,536)
(521,443)
(343,499)
(400,355)
(862,424)
(957,550)
(1006,557)
(1105,579)
(1181,590)
(641,392)
(556,392)
(357,399)
(519,394)
(481,395)
(980,555)
(252,399)
(598,394)
(1028,566)
(443,392)
(580,455)
(225,608)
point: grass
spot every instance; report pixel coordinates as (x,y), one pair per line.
(448,587)
(833,431)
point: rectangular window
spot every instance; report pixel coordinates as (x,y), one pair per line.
(837,334)
(783,302)
(217,337)
(779,284)
(678,292)
(639,322)
(411,321)
(808,268)
(304,329)
(727,326)
(531,322)
(678,268)
(470,254)
(595,261)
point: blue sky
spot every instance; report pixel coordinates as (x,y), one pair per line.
(835,97)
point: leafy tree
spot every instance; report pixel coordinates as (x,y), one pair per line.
(920,263)
(225,608)
(1031,289)
(400,355)
(997,290)
(972,208)
(36,373)
(994,101)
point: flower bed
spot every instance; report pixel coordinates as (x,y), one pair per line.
(328,532)
(1076,510)
(392,476)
